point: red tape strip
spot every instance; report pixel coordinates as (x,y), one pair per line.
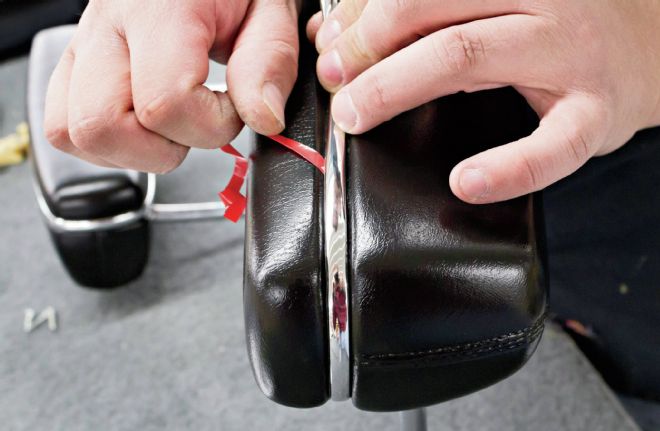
(307,153)
(232,197)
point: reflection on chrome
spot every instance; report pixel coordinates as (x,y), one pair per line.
(335,255)
(327,6)
(148,211)
(58,224)
(334,214)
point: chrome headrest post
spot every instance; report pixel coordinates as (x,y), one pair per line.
(335,235)
(148,211)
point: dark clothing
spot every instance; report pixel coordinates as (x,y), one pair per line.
(603,234)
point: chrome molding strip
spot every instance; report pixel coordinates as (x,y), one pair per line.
(335,235)
(186,212)
(60,225)
(149,211)
(327,6)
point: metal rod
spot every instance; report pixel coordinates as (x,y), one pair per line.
(149,211)
(58,224)
(185,212)
(413,420)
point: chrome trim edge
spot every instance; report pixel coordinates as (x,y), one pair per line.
(149,211)
(336,249)
(61,225)
(185,212)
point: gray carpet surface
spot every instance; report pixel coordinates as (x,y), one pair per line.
(167,352)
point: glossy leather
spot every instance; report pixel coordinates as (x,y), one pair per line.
(283,299)
(446,297)
(96,197)
(105,259)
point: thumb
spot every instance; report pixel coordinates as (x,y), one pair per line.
(264,64)
(568,135)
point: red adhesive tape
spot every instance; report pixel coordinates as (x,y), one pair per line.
(232,197)
(307,153)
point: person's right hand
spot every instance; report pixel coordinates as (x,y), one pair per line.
(128,92)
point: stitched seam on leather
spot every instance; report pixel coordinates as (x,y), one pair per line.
(498,344)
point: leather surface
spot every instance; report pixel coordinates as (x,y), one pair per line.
(283,295)
(446,296)
(74,189)
(105,259)
(96,197)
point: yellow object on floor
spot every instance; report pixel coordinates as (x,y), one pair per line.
(13,148)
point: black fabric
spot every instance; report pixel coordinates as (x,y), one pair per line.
(447,297)
(604,261)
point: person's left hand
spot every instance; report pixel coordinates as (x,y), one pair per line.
(590,69)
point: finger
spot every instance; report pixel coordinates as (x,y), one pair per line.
(55,112)
(567,137)
(100,116)
(344,15)
(264,65)
(313,26)
(385,27)
(478,55)
(169,63)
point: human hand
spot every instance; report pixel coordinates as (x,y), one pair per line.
(128,92)
(590,70)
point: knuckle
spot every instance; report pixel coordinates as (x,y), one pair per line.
(531,173)
(359,48)
(459,51)
(88,133)
(578,146)
(158,111)
(285,52)
(579,135)
(379,99)
(57,135)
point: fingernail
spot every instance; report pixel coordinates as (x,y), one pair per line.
(473,184)
(344,112)
(328,32)
(274,100)
(331,69)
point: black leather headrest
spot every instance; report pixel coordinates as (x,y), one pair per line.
(445,297)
